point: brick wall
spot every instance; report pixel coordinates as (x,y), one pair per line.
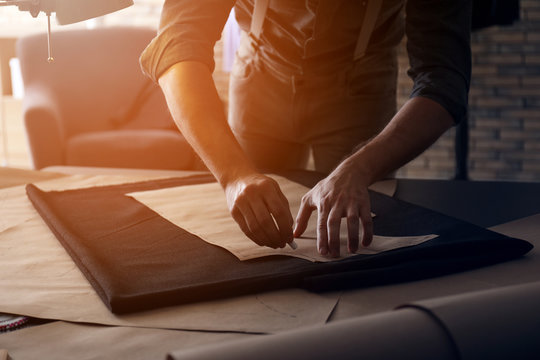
(505,99)
(504,111)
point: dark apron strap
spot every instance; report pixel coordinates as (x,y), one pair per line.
(370,18)
(372,12)
(259,13)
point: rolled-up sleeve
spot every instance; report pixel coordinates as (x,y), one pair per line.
(438,44)
(188,31)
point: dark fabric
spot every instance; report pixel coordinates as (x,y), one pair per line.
(439,52)
(487,13)
(137,260)
(319,36)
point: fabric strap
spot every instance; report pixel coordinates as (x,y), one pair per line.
(372,12)
(370,18)
(257,20)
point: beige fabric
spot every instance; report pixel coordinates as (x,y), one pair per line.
(65,341)
(16,209)
(4,354)
(147,173)
(202,210)
(12,177)
(39,279)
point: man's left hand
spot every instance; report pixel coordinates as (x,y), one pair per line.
(341,194)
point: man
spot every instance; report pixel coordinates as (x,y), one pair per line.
(312,74)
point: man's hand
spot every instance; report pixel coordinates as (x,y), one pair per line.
(261,210)
(344,192)
(255,201)
(341,194)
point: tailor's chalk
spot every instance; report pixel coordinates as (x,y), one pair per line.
(293,245)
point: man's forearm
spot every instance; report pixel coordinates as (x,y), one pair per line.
(198,112)
(344,194)
(254,200)
(418,124)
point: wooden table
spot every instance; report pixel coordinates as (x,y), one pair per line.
(478,202)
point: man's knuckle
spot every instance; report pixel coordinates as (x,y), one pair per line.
(268,224)
(248,190)
(334,221)
(306,200)
(326,202)
(269,183)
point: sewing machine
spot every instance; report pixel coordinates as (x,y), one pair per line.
(67,11)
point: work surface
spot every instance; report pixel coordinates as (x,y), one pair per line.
(482,203)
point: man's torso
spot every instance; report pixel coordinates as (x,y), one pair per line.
(320,34)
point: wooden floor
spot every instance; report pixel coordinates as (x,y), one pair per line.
(14,147)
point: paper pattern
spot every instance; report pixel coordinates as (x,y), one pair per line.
(202,210)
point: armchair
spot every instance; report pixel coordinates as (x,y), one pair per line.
(93,106)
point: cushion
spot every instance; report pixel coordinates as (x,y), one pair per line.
(148,149)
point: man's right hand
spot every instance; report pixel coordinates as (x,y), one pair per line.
(261,210)
(255,201)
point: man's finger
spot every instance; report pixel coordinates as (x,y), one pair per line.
(353,228)
(283,199)
(322,234)
(367,222)
(302,218)
(266,223)
(279,209)
(259,236)
(239,218)
(333,225)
